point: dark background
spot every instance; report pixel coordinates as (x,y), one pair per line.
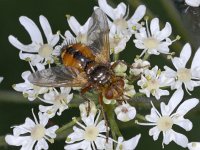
(14,108)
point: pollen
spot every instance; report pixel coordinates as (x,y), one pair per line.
(184,74)
(124,110)
(151,43)
(60,99)
(45,51)
(152,84)
(38,132)
(164,123)
(121,24)
(91,133)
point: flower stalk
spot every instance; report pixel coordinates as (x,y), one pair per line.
(112,123)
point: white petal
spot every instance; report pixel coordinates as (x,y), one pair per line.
(193,3)
(173,103)
(25,141)
(178,138)
(21,87)
(178,63)
(101,126)
(48,110)
(89,120)
(106,8)
(51,131)
(195,61)
(81,145)
(1,79)
(33,47)
(186,106)
(186,53)
(191,84)
(84,28)
(182,122)
(24,128)
(41,144)
(138,14)
(154,26)
(77,135)
(74,25)
(40,66)
(177,85)
(194,146)
(69,35)
(165,32)
(196,72)
(100,143)
(24,56)
(155,132)
(120,11)
(153,117)
(45,26)
(43,119)
(52,39)
(111,12)
(163,48)
(170,73)
(131,143)
(32,29)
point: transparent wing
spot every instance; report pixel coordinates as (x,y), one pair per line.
(58,76)
(98,36)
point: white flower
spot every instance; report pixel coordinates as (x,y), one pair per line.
(152,82)
(165,120)
(32,134)
(38,51)
(120,14)
(58,100)
(108,101)
(29,90)
(189,77)
(117,42)
(89,135)
(194,146)
(119,68)
(193,3)
(1,79)
(129,90)
(84,109)
(79,31)
(153,41)
(121,28)
(129,144)
(125,112)
(139,66)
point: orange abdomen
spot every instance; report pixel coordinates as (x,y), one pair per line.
(77,56)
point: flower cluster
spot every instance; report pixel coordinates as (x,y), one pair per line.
(193,3)
(97,128)
(1,79)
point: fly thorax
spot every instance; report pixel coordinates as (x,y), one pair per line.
(99,74)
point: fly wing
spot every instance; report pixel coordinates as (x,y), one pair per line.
(98,36)
(58,76)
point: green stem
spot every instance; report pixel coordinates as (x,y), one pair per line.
(3,142)
(115,57)
(113,124)
(146,56)
(64,130)
(141,117)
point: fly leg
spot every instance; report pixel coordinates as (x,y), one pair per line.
(104,115)
(88,107)
(83,91)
